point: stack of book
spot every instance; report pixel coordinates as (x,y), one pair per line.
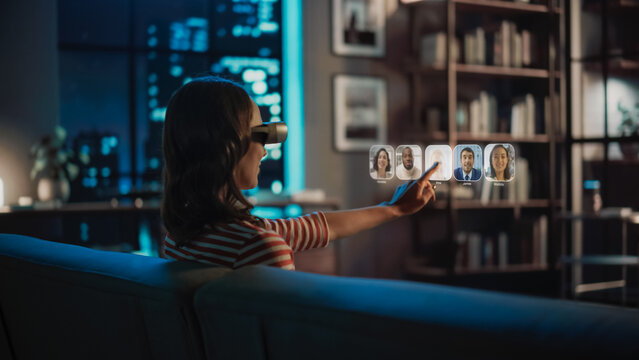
(433,50)
(528,245)
(478,116)
(528,115)
(481,116)
(500,45)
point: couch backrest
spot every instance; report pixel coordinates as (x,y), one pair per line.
(267,313)
(60,301)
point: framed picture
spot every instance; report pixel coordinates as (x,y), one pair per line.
(359,105)
(359,27)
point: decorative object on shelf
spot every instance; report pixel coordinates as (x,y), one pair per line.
(359,27)
(359,112)
(629,126)
(52,166)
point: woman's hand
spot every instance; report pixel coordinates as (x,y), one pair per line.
(414,195)
(408,199)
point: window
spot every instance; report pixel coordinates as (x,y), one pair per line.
(120,61)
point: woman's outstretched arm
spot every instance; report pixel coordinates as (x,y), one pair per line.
(408,199)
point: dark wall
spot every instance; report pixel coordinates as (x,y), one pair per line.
(377,252)
(28,89)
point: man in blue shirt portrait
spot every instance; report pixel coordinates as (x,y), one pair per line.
(466,172)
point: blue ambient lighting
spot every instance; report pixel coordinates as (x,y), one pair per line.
(259,87)
(591,184)
(176,70)
(277,187)
(84,232)
(293,90)
(267,212)
(144,240)
(293,210)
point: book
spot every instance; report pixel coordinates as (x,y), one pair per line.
(474,251)
(517,50)
(505,32)
(462,117)
(526,45)
(433,119)
(543,240)
(469,48)
(433,49)
(480,46)
(502,245)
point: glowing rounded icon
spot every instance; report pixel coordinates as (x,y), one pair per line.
(499,162)
(467,161)
(380,162)
(444,156)
(409,162)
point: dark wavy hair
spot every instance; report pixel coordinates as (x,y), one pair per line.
(388,167)
(206,133)
(493,174)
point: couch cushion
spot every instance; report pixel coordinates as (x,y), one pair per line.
(63,301)
(267,313)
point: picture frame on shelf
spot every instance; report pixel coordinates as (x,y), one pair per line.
(359,27)
(359,112)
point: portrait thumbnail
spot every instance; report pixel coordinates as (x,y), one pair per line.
(409,162)
(499,162)
(442,154)
(467,161)
(381,165)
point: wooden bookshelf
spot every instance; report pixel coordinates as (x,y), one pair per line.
(507,84)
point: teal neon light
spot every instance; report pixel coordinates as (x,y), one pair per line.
(294,95)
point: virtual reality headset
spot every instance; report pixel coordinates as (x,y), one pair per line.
(270,133)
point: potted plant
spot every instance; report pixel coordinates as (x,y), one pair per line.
(53,166)
(629,126)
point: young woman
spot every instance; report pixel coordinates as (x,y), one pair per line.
(499,163)
(210,156)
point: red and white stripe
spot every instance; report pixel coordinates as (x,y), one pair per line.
(240,244)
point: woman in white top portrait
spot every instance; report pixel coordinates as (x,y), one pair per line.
(381,165)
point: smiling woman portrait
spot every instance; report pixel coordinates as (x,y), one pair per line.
(500,159)
(381,164)
(213,144)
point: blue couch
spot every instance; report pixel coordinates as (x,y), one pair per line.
(60,301)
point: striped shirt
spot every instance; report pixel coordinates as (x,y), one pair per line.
(241,243)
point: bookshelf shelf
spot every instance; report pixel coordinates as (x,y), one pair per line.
(416,266)
(441,136)
(502,269)
(502,138)
(501,6)
(468,69)
(471,69)
(499,204)
(602,260)
(427,137)
(488,5)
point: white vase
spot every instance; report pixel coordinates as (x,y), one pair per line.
(53,189)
